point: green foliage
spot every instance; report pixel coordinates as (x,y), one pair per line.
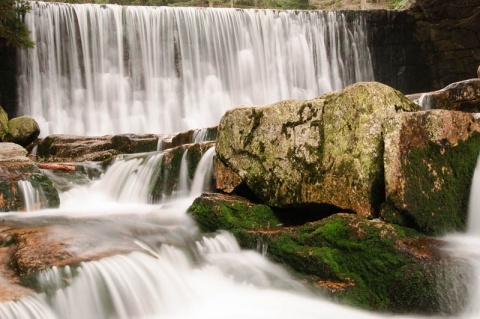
(12,29)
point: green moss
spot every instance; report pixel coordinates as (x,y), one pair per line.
(231,213)
(438,181)
(365,256)
(4,131)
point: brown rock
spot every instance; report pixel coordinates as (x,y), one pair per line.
(226,180)
(65,148)
(460,96)
(430,157)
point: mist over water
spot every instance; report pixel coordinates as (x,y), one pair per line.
(107,69)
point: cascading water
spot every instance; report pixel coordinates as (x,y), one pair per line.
(105,69)
(468,245)
(175,272)
(30,195)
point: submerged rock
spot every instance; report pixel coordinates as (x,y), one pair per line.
(430,158)
(328,150)
(16,168)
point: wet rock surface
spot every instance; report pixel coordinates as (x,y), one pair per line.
(460,96)
(15,167)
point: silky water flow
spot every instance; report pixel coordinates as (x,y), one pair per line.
(108,69)
(175,271)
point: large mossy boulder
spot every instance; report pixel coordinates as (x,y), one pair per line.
(371,264)
(368,264)
(23,130)
(328,150)
(430,158)
(15,169)
(3,125)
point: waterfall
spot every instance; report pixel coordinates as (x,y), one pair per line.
(203,173)
(105,69)
(467,246)
(474,203)
(30,196)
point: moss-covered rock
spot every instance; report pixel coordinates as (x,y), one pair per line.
(23,130)
(214,211)
(370,264)
(324,151)
(3,125)
(430,158)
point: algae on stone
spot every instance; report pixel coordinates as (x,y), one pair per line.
(227,212)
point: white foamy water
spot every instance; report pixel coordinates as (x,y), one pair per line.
(175,271)
(106,69)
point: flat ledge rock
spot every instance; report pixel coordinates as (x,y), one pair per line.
(11,152)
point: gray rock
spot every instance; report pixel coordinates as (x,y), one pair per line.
(328,150)
(11,152)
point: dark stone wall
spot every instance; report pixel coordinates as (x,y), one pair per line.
(8,80)
(397,59)
(426,47)
(449,34)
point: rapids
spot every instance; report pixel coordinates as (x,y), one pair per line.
(176,271)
